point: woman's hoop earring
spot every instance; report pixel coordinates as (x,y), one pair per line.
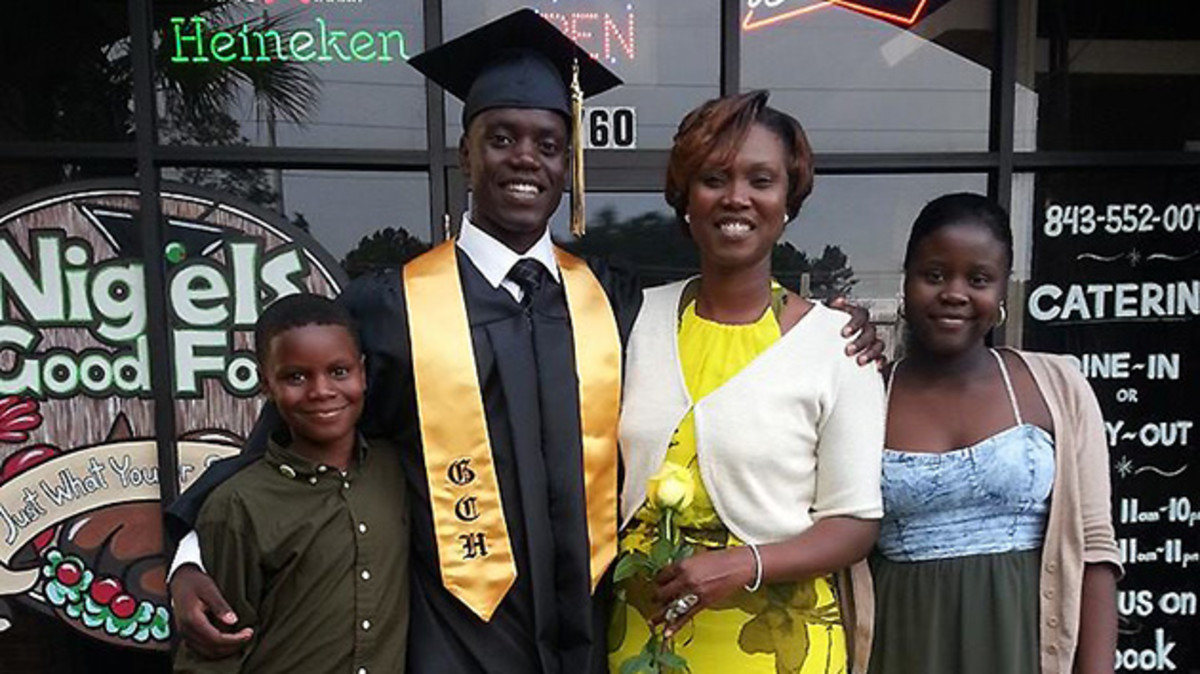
(900,307)
(687,218)
(1003,315)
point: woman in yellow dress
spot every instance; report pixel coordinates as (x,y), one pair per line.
(740,393)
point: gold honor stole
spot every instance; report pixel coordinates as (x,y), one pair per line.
(474,550)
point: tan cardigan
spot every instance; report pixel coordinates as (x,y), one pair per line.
(1079,530)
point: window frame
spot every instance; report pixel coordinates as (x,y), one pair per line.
(626,171)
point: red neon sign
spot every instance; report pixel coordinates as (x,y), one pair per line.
(750,22)
(604,35)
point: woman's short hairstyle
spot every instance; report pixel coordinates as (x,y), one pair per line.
(958,209)
(718,128)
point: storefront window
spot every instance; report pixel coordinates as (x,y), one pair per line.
(227,259)
(64,73)
(849,237)
(867,218)
(359,217)
(1104,267)
(1116,76)
(291,73)
(1115,286)
(81,551)
(634,227)
(667,54)
(19,179)
(875,76)
(363,219)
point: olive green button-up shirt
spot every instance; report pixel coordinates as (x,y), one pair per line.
(315,560)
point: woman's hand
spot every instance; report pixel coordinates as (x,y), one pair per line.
(828,545)
(708,576)
(866,344)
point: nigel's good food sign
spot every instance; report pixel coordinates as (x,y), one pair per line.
(80,532)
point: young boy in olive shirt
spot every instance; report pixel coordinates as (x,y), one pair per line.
(310,543)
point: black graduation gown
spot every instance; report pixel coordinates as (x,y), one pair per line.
(549,621)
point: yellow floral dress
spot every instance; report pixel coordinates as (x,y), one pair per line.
(784,628)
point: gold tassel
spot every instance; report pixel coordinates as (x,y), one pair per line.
(578,225)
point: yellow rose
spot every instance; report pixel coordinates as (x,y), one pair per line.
(671,488)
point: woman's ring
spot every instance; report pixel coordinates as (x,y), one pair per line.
(681,606)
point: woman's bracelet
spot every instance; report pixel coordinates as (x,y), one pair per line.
(758,570)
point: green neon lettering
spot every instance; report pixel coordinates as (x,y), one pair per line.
(383,41)
(262,37)
(192,44)
(359,46)
(222,47)
(329,40)
(301,44)
(177,29)
(247,54)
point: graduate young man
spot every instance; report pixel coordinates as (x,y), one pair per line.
(495,362)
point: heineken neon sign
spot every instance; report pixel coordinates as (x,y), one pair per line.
(193,40)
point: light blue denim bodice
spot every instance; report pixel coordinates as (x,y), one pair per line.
(991,497)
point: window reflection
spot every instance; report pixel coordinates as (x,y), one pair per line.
(64,72)
(637,227)
(364,219)
(1116,76)
(867,218)
(291,73)
(18,179)
(891,80)
(848,239)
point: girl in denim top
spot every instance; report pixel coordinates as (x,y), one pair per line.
(979,440)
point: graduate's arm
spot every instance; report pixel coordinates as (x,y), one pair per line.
(202,615)
(181,516)
(375,300)
(233,558)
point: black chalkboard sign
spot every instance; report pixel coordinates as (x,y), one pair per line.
(1115,282)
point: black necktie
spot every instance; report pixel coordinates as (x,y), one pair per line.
(528,275)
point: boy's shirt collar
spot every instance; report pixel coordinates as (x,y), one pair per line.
(295,467)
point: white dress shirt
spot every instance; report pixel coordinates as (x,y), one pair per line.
(493,259)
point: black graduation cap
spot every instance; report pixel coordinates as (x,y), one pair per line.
(521,60)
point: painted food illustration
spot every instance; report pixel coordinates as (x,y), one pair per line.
(102,571)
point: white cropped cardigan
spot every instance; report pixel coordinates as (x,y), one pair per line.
(794,437)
